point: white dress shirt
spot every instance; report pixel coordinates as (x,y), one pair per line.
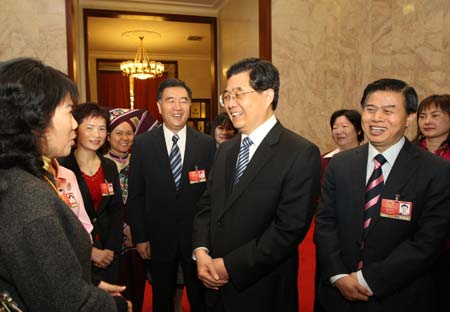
(391,155)
(168,134)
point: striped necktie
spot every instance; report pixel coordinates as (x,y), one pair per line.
(175,161)
(243,159)
(373,193)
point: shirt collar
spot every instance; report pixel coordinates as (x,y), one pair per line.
(332,153)
(169,133)
(390,154)
(258,135)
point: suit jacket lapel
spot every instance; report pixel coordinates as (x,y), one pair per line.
(164,156)
(230,166)
(189,156)
(358,182)
(109,178)
(89,206)
(401,172)
(262,155)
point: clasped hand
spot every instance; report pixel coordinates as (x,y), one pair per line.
(211,272)
(351,289)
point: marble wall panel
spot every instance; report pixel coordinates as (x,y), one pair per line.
(328,51)
(34,29)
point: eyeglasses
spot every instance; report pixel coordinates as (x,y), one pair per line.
(227,97)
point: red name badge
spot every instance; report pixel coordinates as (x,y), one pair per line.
(107,189)
(197,176)
(70,200)
(396,209)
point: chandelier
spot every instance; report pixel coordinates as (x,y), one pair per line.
(142,67)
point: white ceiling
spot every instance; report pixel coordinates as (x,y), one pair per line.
(105,33)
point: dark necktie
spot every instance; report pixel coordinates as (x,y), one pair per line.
(373,193)
(243,159)
(175,161)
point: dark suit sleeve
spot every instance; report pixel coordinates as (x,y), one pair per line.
(115,210)
(296,204)
(326,238)
(136,192)
(415,256)
(200,228)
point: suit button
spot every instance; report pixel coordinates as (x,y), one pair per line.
(220,223)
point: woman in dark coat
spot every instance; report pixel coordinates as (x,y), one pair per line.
(99,184)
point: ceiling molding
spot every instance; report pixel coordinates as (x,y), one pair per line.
(183,7)
(158,57)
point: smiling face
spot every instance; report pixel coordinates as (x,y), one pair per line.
(344,133)
(174,107)
(59,137)
(223,133)
(121,138)
(434,123)
(384,118)
(247,110)
(91,133)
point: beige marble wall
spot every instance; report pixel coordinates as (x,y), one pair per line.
(34,28)
(238,34)
(328,51)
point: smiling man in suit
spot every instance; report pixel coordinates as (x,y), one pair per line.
(164,186)
(377,255)
(259,202)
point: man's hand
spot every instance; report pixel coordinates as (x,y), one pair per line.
(114,290)
(351,289)
(221,269)
(207,272)
(144,250)
(102,258)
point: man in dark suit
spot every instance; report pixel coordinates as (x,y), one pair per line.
(377,258)
(163,190)
(259,202)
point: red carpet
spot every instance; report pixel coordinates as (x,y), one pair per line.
(305,278)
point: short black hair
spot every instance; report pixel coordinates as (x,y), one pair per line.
(394,85)
(221,120)
(31,91)
(90,109)
(170,83)
(354,117)
(263,75)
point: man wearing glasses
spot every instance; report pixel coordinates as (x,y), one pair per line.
(259,201)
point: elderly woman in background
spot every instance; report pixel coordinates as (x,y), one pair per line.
(44,250)
(124,124)
(433,135)
(346,132)
(222,128)
(98,180)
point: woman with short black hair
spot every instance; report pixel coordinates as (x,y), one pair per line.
(44,249)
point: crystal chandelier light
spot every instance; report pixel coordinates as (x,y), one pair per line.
(142,67)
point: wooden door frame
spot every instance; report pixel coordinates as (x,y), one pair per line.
(265,37)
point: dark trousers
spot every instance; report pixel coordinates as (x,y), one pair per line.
(164,284)
(132,275)
(110,274)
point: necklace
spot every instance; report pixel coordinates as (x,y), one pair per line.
(88,166)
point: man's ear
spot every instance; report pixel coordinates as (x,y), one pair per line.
(159,106)
(269,95)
